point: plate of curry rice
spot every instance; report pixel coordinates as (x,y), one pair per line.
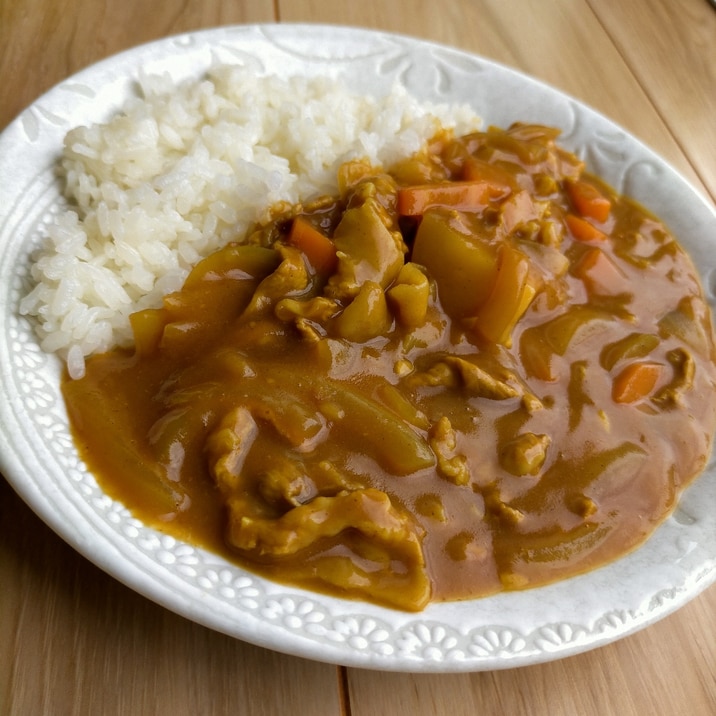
(360,348)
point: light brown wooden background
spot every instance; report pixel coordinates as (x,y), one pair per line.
(74,641)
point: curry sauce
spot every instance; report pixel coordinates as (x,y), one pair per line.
(480,370)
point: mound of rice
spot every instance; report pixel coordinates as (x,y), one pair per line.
(184,169)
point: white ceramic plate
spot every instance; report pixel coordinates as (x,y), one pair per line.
(39,459)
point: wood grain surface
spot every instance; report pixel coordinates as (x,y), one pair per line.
(75,641)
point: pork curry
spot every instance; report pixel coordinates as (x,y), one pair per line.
(481,370)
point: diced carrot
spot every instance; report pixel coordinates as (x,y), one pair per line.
(582,230)
(599,273)
(588,200)
(635,381)
(463,195)
(317,247)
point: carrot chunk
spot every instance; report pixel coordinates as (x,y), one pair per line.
(583,230)
(463,195)
(589,201)
(599,273)
(635,381)
(318,248)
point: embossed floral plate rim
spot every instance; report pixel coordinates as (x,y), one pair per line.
(38,458)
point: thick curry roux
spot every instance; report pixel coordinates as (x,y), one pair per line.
(466,396)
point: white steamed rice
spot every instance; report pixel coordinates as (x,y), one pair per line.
(186,168)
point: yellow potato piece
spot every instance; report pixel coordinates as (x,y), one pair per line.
(462,266)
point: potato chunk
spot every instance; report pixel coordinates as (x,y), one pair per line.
(462,266)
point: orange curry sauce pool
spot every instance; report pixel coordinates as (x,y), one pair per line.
(481,371)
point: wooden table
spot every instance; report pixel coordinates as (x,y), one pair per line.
(74,641)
